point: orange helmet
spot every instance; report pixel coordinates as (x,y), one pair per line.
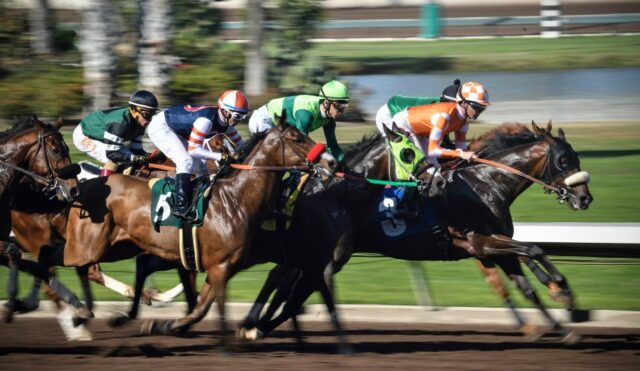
(473,92)
(234,100)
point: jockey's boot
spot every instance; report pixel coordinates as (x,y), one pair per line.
(409,205)
(184,188)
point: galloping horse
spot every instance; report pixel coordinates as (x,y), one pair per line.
(31,154)
(237,204)
(475,206)
(38,221)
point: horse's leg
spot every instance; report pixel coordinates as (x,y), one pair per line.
(188,278)
(12,290)
(557,283)
(487,268)
(83,274)
(328,294)
(283,292)
(515,273)
(275,276)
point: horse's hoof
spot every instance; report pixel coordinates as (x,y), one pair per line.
(346,349)
(7,314)
(249,334)
(23,306)
(532,332)
(147,327)
(156,327)
(119,319)
(83,312)
(571,338)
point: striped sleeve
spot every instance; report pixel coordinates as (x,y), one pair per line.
(234,135)
(461,137)
(439,122)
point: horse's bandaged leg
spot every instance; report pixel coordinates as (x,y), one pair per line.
(117,286)
(71,333)
(168,296)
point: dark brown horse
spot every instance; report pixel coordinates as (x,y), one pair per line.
(31,155)
(476,211)
(120,212)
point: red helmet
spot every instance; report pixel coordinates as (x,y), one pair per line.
(234,101)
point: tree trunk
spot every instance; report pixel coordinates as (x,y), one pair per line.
(97,40)
(255,65)
(154,61)
(40,22)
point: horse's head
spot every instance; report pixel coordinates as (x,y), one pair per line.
(286,146)
(409,163)
(48,156)
(562,169)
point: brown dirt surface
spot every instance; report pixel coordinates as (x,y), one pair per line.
(38,344)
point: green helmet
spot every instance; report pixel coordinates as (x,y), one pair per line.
(334,90)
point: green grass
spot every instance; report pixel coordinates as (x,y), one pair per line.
(609,151)
(504,54)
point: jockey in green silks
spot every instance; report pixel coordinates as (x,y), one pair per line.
(307,113)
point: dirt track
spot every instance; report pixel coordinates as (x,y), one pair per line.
(38,344)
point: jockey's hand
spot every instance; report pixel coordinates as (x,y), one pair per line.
(141,160)
(468,156)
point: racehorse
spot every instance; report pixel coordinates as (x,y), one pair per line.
(38,221)
(32,153)
(475,207)
(120,212)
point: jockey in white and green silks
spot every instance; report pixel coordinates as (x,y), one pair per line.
(307,113)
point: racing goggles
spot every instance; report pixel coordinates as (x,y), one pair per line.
(479,108)
(237,116)
(146,113)
(340,105)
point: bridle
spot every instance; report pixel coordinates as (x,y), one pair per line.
(51,181)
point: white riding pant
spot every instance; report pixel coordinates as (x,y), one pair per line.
(260,121)
(383,116)
(174,147)
(94,148)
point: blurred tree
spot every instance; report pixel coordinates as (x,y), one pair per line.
(293,71)
(97,40)
(41,24)
(255,77)
(154,60)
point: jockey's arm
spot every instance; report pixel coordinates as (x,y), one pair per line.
(235,136)
(201,129)
(435,138)
(113,138)
(461,137)
(332,141)
(136,146)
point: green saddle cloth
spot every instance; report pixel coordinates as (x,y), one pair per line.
(163,199)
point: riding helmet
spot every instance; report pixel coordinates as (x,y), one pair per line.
(334,90)
(144,99)
(473,92)
(234,100)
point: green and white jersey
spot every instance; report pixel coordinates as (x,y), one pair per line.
(303,112)
(114,127)
(399,103)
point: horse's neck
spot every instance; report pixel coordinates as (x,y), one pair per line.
(529,160)
(16,155)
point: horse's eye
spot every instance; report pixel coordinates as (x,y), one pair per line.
(563,162)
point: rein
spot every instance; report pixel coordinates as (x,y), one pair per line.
(520,173)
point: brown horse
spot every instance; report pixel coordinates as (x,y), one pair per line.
(119,212)
(38,221)
(33,154)
(475,206)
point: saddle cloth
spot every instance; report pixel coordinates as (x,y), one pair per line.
(394,227)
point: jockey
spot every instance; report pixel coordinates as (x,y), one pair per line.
(399,103)
(307,113)
(180,131)
(102,134)
(428,124)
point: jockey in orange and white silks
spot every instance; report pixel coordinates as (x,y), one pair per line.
(180,131)
(428,124)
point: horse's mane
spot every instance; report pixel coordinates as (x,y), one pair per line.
(505,136)
(21,123)
(250,143)
(360,149)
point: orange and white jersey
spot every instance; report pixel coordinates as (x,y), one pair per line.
(428,124)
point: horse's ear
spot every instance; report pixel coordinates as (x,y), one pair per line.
(561,134)
(549,126)
(535,127)
(58,123)
(391,133)
(36,121)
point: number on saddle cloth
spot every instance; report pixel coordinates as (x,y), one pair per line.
(395,227)
(162,201)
